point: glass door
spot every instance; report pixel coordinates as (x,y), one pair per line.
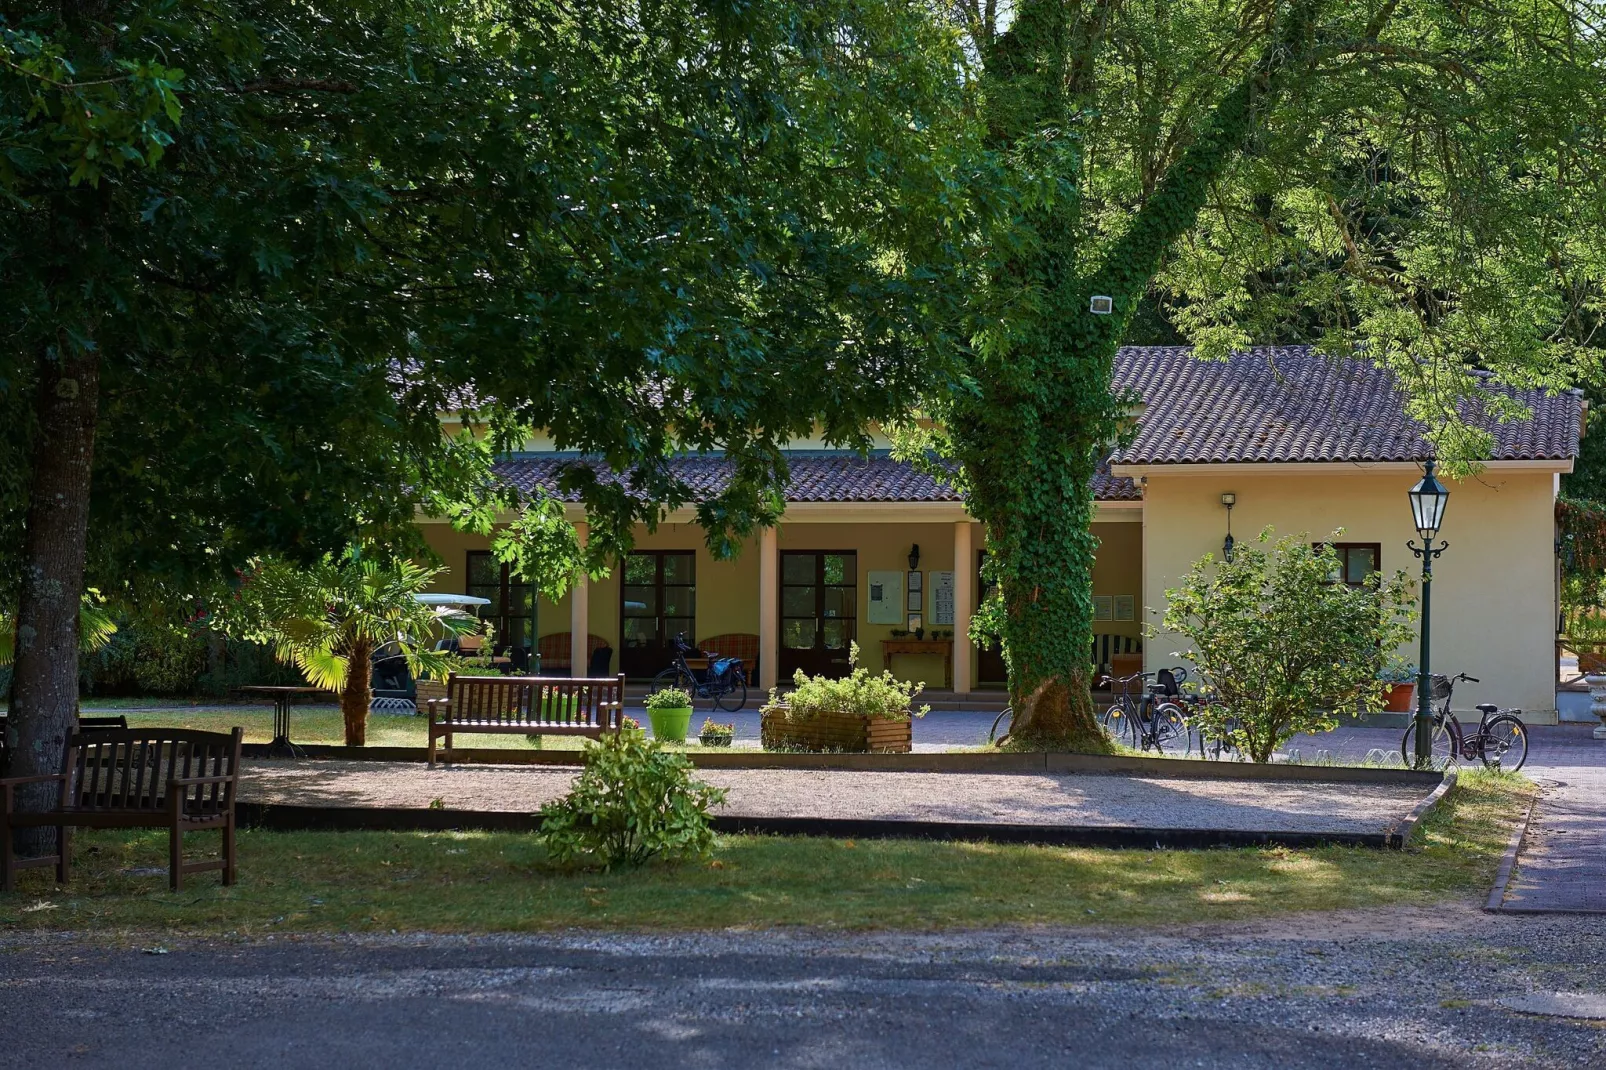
(819,611)
(509,611)
(658,602)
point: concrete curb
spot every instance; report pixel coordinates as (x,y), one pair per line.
(1182,768)
(1508,862)
(1402,834)
(409,819)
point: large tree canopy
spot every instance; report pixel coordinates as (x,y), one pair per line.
(250,250)
(1422,180)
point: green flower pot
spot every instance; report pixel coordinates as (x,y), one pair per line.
(671,725)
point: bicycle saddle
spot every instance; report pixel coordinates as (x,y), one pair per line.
(1487,707)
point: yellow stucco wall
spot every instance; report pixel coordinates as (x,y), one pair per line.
(727,591)
(1493,592)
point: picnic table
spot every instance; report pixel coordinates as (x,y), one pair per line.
(283,697)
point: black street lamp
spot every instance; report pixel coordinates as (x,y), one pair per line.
(1428,499)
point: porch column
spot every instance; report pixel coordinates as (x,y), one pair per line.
(769,609)
(964,597)
(580,617)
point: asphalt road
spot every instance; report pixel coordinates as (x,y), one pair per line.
(1402,988)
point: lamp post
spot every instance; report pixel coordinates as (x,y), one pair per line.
(1428,499)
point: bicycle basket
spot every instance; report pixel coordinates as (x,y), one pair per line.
(1439,686)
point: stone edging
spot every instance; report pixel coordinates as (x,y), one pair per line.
(1402,833)
(398,819)
(1508,861)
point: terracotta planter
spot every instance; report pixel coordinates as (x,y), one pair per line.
(827,731)
(1397,698)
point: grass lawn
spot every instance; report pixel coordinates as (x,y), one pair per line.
(487,882)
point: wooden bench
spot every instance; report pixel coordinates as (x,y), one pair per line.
(170,778)
(527,705)
(557,651)
(742,645)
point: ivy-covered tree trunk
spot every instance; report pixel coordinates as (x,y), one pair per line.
(44,695)
(358,694)
(1043,415)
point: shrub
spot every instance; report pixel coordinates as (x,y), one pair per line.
(881,697)
(1280,645)
(670,698)
(633,802)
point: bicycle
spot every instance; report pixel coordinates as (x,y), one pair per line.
(1150,716)
(724,682)
(1501,734)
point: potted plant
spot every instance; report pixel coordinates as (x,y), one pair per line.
(1399,687)
(670,713)
(858,713)
(715,734)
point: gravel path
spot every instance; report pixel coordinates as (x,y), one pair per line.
(1392,988)
(1143,802)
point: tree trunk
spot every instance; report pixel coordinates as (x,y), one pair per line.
(1031,436)
(358,694)
(44,696)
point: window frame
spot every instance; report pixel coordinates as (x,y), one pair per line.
(1341,548)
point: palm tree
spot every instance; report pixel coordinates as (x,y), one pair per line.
(328,619)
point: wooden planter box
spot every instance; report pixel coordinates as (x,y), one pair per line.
(842,732)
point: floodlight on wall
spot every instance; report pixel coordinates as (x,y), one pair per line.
(1101,305)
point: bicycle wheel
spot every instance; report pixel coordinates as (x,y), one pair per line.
(1444,752)
(1170,728)
(993,738)
(675,676)
(1503,744)
(735,697)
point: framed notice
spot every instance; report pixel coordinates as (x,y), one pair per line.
(1102,608)
(942,599)
(885,604)
(916,597)
(1126,607)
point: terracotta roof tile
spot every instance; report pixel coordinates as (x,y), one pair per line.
(1289,403)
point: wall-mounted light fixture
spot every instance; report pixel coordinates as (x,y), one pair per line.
(1229,499)
(914,557)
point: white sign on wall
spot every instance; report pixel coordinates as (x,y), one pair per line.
(942,599)
(885,604)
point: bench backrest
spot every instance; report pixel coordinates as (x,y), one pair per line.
(558,647)
(742,645)
(130,769)
(516,701)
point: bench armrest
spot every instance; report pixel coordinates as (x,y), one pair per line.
(443,705)
(13,781)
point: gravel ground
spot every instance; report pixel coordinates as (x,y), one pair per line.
(1145,802)
(1391,988)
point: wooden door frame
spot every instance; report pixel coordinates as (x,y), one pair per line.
(818,651)
(658,557)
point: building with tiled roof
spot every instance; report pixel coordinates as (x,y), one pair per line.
(1296,440)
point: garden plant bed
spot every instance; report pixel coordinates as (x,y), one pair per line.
(829,731)
(1052,807)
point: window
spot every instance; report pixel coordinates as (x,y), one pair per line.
(1356,561)
(509,611)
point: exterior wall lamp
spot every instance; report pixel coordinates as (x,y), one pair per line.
(1229,499)
(914,557)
